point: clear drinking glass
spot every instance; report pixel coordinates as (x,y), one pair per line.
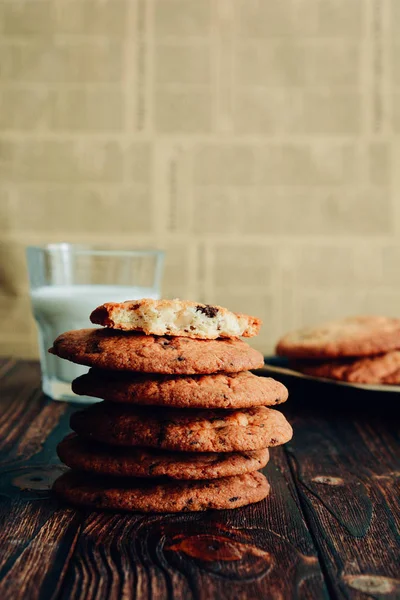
(67,282)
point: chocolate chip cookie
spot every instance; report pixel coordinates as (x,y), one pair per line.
(146,495)
(354,336)
(122,351)
(223,390)
(187,430)
(175,317)
(93,457)
(382,368)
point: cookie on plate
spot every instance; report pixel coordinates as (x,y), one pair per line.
(223,390)
(109,349)
(354,336)
(186,430)
(175,317)
(382,368)
(93,457)
(146,495)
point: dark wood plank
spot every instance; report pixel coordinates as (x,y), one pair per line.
(37,537)
(264,550)
(39,568)
(21,402)
(345,462)
(261,551)
(345,457)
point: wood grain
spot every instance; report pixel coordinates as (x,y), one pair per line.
(261,551)
(330,528)
(36,536)
(345,458)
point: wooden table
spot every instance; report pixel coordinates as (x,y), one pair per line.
(330,528)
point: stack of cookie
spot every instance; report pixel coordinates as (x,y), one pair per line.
(356,350)
(184,425)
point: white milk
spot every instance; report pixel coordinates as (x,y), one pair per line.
(61,308)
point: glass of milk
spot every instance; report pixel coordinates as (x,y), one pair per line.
(67,282)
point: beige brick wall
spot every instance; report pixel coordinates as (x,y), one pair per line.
(256,141)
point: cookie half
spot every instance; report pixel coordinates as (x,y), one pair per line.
(383,368)
(93,457)
(144,495)
(354,336)
(175,317)
(223,390)
(186,430)
(109,349)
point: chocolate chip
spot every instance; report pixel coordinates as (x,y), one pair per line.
(93,347)
(152,467)
(273,441)
(163,432)
(180,358)
(207,310)
(234,498)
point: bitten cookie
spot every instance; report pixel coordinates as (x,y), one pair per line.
(383,368)
(94,457)
(186,430)
(175,317)
(145,495)
(235,390)
(354,336)
(109,349)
